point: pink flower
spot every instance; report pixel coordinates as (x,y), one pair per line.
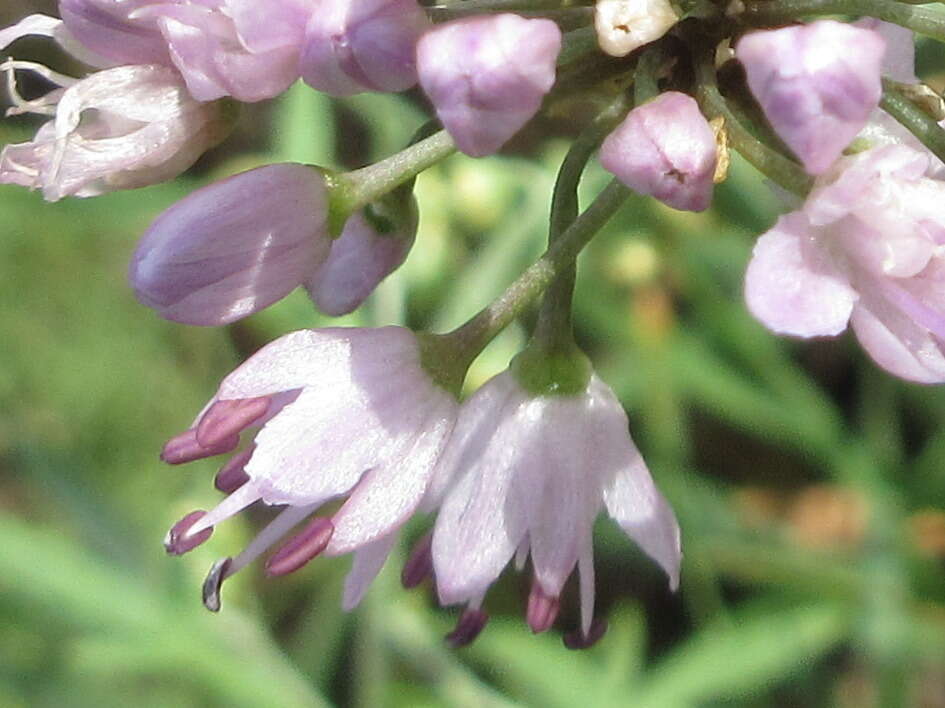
(529,474)
(109,28)
(667,149)
(341,413)
(817,84)
(352,46)
(487,76)
(236,246)
(120,128)
(865,249)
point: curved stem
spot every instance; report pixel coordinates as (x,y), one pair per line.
(919,123)
(930,23)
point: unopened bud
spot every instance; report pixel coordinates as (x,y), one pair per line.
(625,25)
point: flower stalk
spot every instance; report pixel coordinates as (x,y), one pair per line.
(917,121)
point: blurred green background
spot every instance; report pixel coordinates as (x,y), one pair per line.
(808,484)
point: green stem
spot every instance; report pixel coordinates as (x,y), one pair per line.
(919,123)
(645,85)
(554,328)
(770,163)
(472,337)
(930,23)
(351,191)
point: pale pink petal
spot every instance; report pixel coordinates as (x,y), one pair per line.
(899,345)
(368,561)
(792,287)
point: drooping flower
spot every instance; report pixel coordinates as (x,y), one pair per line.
(487,76)
(342,413)
(238,245)
(119,128)
(354,46)
(529,475)
(667,149)
(625,25)
(817,84)
(864,249)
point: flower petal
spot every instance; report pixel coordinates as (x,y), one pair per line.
(368,561)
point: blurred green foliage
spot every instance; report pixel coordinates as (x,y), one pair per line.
(809,485)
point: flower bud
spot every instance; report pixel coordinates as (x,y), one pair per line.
(373,244)
(352,46)
(234,247)
(625,25)
(487,76)
(667,149)
(817,84)
(120,128)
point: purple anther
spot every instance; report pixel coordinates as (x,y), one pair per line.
(420,563)
(542,609)
(468,628)
(228,418)
(185,448)
(578,640)
(232,476)
(177,542)
(211,586)
(301,548)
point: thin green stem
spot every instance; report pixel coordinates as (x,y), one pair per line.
(645,84)
(472,337)
(917,121)
(351,191)
(922,20)
(770,163)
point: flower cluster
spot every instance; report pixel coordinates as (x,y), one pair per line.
(522,467)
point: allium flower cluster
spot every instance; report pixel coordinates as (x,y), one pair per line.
(374,419)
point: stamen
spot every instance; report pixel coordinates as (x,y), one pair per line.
(584,640)
(301,548)
(470,624)
(185,448)
(219,572)
(227,418)
(276,529)
(420,563)
(542,609)
(232,476)
(178,541)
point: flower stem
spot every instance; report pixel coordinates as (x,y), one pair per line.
(769,162)
(930,23)
(919,123)
(351,191)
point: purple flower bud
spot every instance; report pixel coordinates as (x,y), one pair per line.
(353,46)
(487,76)
(120,128)
(817,84)
(667,149)
(368,250)
(235,246)
(108,29)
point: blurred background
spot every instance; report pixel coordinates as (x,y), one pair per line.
(809,485)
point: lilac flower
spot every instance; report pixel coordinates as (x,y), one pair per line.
(530,474)
(110,29)
(487,76)
(625,25)
(865,249)
(667,149)
(119,128)
(236,246)
(817,84)
(342,412)
(226,48)
(353,46)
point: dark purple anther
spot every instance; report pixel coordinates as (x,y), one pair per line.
(177,542)
(578,640)
(211,586)
(185,448)
(420,563)
(228,418)
(542,609)
(232,476)
(301,548)
(468,628)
